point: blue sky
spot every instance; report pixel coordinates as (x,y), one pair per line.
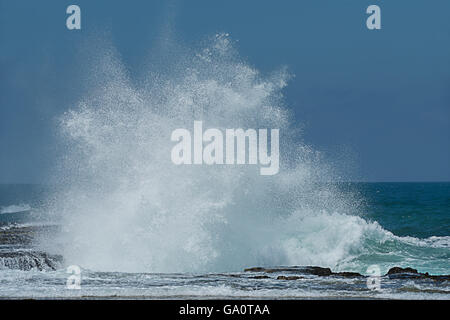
(381,96)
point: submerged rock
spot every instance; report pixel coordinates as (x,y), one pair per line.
(17,252)
(348,274)
(312,270)
(318,271)
(396,270)
(394,273)
(29,260)
(289,278)
(410,273)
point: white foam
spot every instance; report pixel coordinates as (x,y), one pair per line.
(126,207)
(15,208)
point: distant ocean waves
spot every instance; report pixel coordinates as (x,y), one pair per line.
(14,214)
(15,208)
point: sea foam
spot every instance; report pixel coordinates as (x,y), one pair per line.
(124,206)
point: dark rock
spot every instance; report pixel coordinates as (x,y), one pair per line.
(274,270)
(410,273)
(439,278)
(347,274)
(394,273)
(289,278)
(318,271)
(397,270)
(25,260)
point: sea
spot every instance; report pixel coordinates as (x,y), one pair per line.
(406,225)
(115,218)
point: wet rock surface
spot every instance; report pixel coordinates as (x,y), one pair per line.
(23,235)
(410,273)
(393,273)
(17,251)
(289,278)
(32,260)
(310,270)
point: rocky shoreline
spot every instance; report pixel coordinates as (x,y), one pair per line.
(25,258)
(296,272)
(18,253)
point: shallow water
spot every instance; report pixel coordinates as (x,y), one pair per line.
(52,284)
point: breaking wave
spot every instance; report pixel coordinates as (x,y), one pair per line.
(124,206)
